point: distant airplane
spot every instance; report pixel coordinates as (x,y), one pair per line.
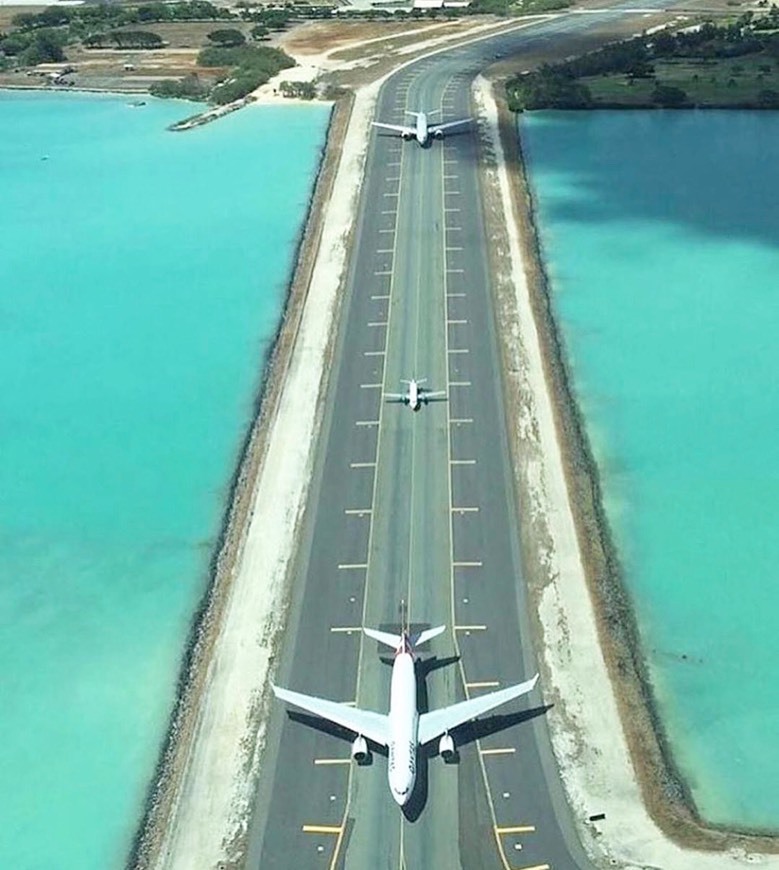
(422,130)
(415,395)
(403,729)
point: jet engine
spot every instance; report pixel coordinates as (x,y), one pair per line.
(446,747)
(360,750)
(408,135)
(438,134)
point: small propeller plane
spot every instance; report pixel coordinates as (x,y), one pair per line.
(415,395)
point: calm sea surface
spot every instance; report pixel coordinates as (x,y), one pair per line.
(142,274)
(661,232)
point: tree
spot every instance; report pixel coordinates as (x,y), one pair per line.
(46,47)
(259,31)
(668,96)
(768,98)
(227,37)
(136,39)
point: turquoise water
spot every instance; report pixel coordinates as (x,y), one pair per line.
(142,274)
(662,235)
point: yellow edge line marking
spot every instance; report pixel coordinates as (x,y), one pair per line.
(332,761)
(509,750)
(537,867)
(322,829)
(484,684)
(520,829)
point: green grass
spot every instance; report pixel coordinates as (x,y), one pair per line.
(723,82)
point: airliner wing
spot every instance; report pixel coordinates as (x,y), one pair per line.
(395,397)
(396,128)
(450,125)
(372,725)
(438,722)
(437,394)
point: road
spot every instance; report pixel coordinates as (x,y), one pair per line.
(419,507)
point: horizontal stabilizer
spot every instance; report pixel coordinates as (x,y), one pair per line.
(425,636)
(384,637)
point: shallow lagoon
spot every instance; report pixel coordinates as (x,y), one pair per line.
(141,280)
(661,234)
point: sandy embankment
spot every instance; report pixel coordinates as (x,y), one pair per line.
(587,732)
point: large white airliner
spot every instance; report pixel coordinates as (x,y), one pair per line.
(422,129)
(403,729)
(415,395)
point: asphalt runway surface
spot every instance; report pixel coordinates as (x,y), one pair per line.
(416,507)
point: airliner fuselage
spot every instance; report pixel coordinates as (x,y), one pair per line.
(403,727)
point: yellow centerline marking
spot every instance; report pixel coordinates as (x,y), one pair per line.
(322,829)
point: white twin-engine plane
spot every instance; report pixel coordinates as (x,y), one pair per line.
(403,730)
(422,130)
(415,395)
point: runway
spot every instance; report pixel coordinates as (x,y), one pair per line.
(419,507)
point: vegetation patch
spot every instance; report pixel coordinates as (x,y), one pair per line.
(250,66)
(706,65)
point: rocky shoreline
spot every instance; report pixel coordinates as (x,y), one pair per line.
(207,620)
(664,791)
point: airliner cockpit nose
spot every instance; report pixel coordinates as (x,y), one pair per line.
(401,796)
